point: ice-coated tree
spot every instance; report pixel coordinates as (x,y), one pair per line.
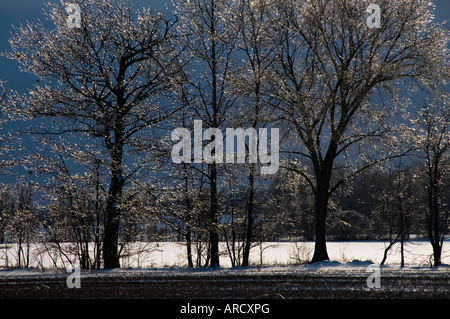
(102,76)
(397,206)
(19,220)
(76,200)
(210,47)
(431,135)
(339,81)
(249,20)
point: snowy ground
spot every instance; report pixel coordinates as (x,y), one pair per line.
(160,273)
(330,280)
(170,254)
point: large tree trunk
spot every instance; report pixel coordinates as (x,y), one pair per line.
(437,250)
(320,211)
(112,222)
(323,178)
(115,146)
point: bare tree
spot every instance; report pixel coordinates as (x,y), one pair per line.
(103,82)
(210,45)
(432,137)
(398,199)
(249,80)
(336,79)
(23,220)
(76,200)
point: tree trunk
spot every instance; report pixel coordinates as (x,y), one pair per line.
(188,235)
(320,211)
(248,235)
(437,250)
(323,171)
(213,232)
(189,247)
(189,209)
(402,252)
(20,251)
(386,250)
(433,218)
(112,215)
(436,242)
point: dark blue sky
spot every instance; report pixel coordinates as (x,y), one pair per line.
(14,12)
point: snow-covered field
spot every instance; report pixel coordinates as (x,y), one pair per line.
(417,253)
(170,254)
(159,271)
